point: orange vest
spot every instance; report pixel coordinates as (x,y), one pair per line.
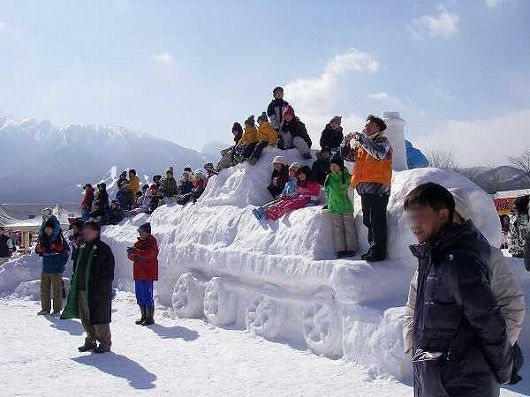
(368,169)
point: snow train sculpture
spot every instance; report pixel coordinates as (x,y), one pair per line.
(280,280)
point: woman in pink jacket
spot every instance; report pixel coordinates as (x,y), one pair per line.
(307,193)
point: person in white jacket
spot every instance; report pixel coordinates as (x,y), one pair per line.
(510,296)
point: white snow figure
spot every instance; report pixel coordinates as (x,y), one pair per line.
(395,132)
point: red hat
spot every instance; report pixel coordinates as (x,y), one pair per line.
(289,110)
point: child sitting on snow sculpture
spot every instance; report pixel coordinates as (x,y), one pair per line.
(340,207)
(244,147)
(185,183)
(199,184)
(307,192)
(279,177)
(267,136)
(289,191)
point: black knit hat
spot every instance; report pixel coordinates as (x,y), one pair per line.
(276,89)
(236,128)
(337,159)
(263,117)
(146,228)
(250,120)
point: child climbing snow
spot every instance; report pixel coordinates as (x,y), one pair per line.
(307,192)
(279,177)
(340,208)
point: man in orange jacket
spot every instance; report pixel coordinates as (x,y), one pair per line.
(144,255)
(372,177)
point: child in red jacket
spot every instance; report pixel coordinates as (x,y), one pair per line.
(144,255)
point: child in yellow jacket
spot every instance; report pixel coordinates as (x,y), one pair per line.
(245,146)
(267,136)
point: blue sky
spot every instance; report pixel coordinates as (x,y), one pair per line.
(458,71)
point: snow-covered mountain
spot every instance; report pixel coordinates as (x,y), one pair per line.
(41,162)
(498,179)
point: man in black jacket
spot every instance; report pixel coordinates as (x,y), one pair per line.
(276,108)
(90,294)
(459,336)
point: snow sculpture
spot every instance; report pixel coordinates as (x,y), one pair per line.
(395,132)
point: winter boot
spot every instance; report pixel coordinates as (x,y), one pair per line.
(87,347)
(101,349)
(149,316)
(341,254)
(43,313)
(142,319)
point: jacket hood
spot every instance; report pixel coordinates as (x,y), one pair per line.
(455,237)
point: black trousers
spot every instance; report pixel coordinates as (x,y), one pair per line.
(374,218)
(258,149)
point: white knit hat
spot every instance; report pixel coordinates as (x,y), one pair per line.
(462,203)
(279,160)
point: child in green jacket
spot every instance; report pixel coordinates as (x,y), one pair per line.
(340,208)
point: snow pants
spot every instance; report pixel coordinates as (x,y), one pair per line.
(344,235)
(297,142)
(374,218)
(258,149)
(94,332)
(51,282)
(284,206)
(144,292)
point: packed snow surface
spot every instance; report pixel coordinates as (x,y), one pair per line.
(182,357)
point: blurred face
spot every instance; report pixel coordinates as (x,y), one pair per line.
(325,155)
(371,128)
(90,234)
(335,125)
(334,168)
(278,94)
(425,222)
(169,175)
(278,166)
(292,172)
(143,235)
(302,177)
(288,117)
(2,232)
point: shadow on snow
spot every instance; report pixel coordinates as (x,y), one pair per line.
(176,332)
(120,367)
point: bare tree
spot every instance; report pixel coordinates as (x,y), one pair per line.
(522,162)
(442,158)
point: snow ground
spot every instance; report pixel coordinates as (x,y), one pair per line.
(179,357)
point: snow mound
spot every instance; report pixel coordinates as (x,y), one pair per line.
(280,280)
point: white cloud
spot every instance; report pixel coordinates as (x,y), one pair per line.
(444,25)
(3,25)
(495,3)
(314,96)
(164,58)
(483,142)
(387,99)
